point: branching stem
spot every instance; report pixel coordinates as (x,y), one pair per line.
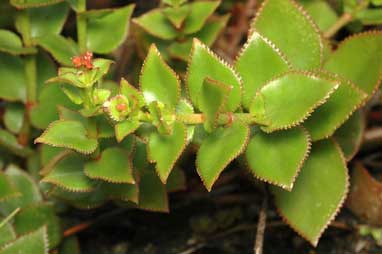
(345,19)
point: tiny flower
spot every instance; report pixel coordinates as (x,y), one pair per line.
(117,107)
(84,60)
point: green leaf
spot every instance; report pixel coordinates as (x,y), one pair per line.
(370,16)
(7,188)
(69,175)
(47,20)
(152,192)
(11,43)
(81,200)
(73,94)
(174,2)
(212,100)
(12,78)
(113,166)
(124,192)
(125,128)
(259,61)
(292,31)
(185,108)
(69,245)
(318,193)
(199,12)
(288,100)
(68,134)
(131,92)
(25,185)
(107,29)
(45,111)
(14,117)
(349,136)
(33,3)
(202,64)
(176,181)
(321,12)
(10,142)
(278,157)
(49,96)
(158,81)
(74,4)
(7,234)
(156,23)
(61,48)
(219,149)
(34,242)
(211,29)
(176,15)
(208,34)
(35,216)
(342,103)
(356,56)
(166,149)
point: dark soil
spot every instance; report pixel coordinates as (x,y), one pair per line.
(221,222)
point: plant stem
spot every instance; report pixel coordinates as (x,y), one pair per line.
(345,19)
(81,26)
(9,217)
(30,75)
(224,118)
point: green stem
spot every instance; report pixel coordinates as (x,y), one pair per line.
(223,119)
(30,74)
(9,217)
(345,19)
(81,26)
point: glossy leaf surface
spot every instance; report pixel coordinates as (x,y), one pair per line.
(156,23)
(341,104)
(158,81)
(48,19)
(349,136)
(199,12)
(68,134)
(259,62)
(11,43)
(318,193)
(278,157)
(288,100)
(218,150)
(205,64)
(212,100)
(7,188)
(33,3)
(34,242)
(14,117)
(25,185)
(69,175)
(113,166)
(166,149)
(287,25)
(107,29)
(34,217)
(356,56)
(62,49)
(152,192)
(12,78)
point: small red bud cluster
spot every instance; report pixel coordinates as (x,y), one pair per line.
(83,60)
